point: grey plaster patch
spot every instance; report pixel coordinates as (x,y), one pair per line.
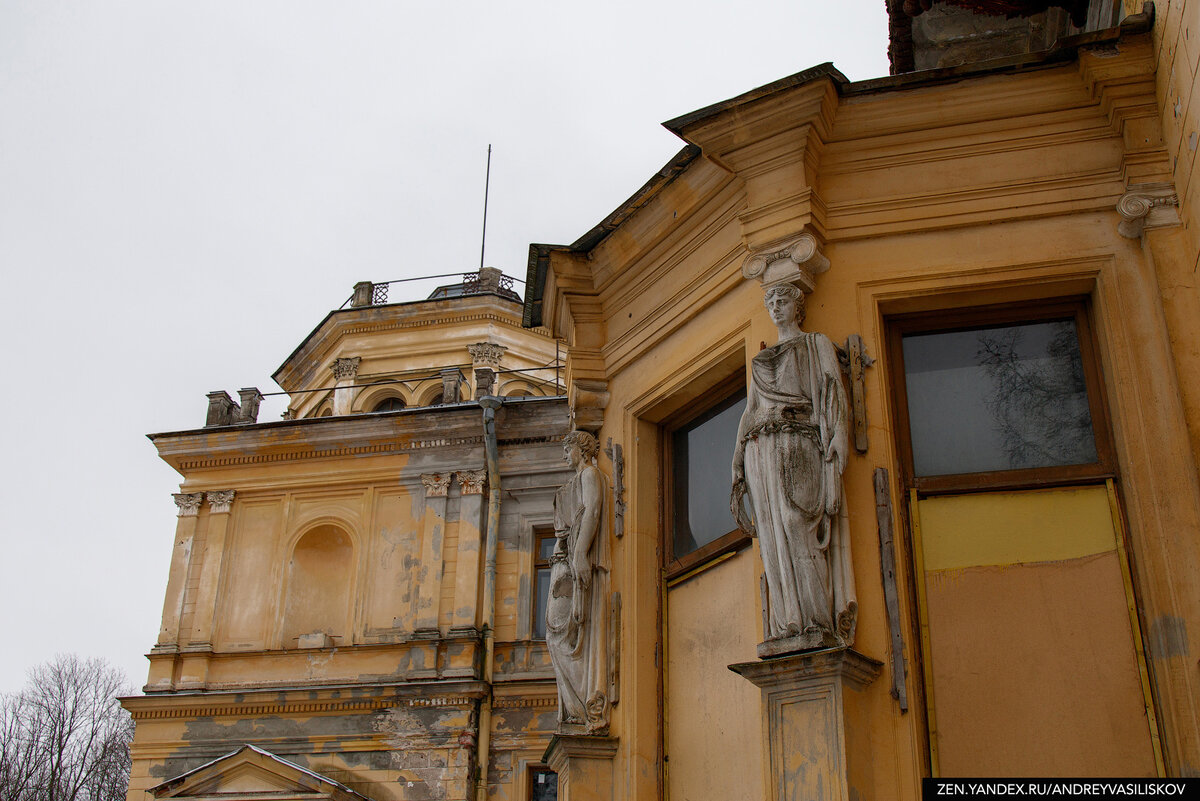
(1168,637)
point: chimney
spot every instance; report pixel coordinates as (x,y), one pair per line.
(221,409)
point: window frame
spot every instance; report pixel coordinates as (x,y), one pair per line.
(540,534)
(1077,308)
(732,541)
(387,398)
(532,769)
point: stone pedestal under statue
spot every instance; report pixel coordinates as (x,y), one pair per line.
(584,764)
(815,723)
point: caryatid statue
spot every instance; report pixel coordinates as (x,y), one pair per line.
(791,450)
(577,608)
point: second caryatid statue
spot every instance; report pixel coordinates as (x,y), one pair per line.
(578,605)
(791,450)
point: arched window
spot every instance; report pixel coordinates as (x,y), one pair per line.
(319,578)
(432,396)
(392,404)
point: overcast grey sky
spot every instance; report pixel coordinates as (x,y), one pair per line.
(187,188)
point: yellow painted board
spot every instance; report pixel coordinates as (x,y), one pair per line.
(1006,528)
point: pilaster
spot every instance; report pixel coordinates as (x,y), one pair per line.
(452,381)
(429,585)
(485,362)
(345,372)
(815,723)
(185,533)
(220,503)
(470,545)
(584,764)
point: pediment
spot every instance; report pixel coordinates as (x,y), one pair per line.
(252,774)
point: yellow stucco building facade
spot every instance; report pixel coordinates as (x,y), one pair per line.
(1003,246)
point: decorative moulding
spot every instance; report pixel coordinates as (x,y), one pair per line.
(188,503)
(408,446)
(220,501)
(796,261)
(436,484)
(588,398)
(472,481)
(1147,206)
(486,354)
(345,368)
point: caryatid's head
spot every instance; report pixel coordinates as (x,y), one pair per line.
(580,447)
(785,304)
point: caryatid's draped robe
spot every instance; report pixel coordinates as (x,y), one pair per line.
(794,431)
(577,610)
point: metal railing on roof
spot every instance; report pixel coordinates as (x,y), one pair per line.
(481,282)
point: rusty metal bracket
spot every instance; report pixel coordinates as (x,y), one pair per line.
(891,597)
(854,361)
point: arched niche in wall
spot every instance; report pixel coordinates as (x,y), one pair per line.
(319,588)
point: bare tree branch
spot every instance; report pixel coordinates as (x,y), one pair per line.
(64,737)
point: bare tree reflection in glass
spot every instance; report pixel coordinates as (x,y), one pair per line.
(1039,402)
(997,398)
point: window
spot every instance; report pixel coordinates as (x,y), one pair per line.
(1000,396)
(389,405)
(543,784)
(544,542)
(701,457)
(1015,537)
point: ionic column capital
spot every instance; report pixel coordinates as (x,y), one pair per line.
(795,261)
(1147,206)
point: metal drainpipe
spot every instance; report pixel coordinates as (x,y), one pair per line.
(490,404)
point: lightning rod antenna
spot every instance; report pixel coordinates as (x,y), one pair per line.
(486,186)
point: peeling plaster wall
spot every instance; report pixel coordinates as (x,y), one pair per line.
(379,707)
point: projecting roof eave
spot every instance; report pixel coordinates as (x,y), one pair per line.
(539,254)
(358,435)
(679,125)
(1065,50)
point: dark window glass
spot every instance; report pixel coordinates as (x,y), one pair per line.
(543,784)
(389,405)
(998,398)
(701,460)
(545,547)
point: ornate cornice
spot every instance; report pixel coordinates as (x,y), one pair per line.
(188,503)
(362,450)
(1147,206)
(486,354)
(471,481)
(220,501)
(526,702)
(437,485)
(254,704)
(345,367)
